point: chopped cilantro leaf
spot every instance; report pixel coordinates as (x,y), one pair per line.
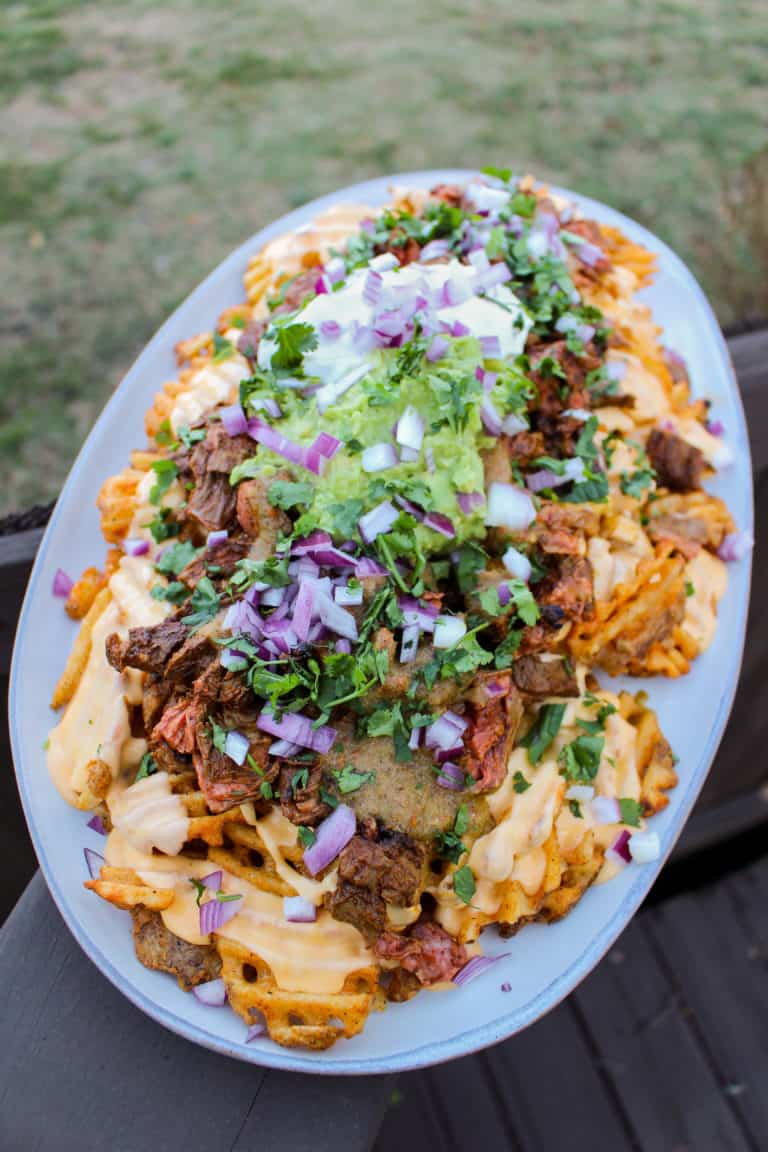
(287,493)
(219,737)
(299,780)
(190,436)
(199,888)
(348,780)
(464,883)
(162,526)
(543,731)
(690,588)
(176,557)
(519,782)
(293,341)
(631,811)
(204,603)
(147,767)
(265,789)
(505,653)
(461,823)
(173,593)
(635,484)
(306,836)
(222,349)
(575,808)
(580,760)
(166,472)
(345,515)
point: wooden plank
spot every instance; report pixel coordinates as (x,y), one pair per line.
(87,1070)
(412,1119)
(749,353)
(553,1089)
(476,1114)
(725,994)
(709,826)
(652,1056)
(748,888)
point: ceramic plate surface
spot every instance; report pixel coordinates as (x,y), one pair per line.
(546,961)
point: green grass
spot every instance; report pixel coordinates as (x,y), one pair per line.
(140,142)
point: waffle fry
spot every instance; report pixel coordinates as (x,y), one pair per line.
(124,889)
(655,762)
(80,651)
(294,1019)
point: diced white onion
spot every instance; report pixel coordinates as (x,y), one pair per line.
(580,792)
(517,564)
(378,457)
(509,507)
(644,847)
(349,597)
(448,631)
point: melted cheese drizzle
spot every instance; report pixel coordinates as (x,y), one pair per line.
(314,958)
(95,724)
(708,576)
(615,561)
(148,815)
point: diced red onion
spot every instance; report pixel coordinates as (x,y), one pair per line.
(606,810)
(409,455)
(450,776)
(385,262)
(544,478)
(135,547)
(335,269)
(457,329)
(254,1031)
(440,523)
(566,323)
(434,250)
(298,910)
(715,428)
(589,254)
(409,430)
(414,740)
(644,847)
(96,824)
(504,594)
(372,287)
(476,966)
(490,417)
(496,274)
(478,258)
(616,369)
(214,914)
(449,630)
(234,420)
(509,507)
(303,608)
(267,404)
(273,597)
(517,564)
(468,501)
(278,443)
(94,861)
(437,349)
(429,459)
(236,746)
(445,732)
(217,538)
(330,329)
(338,619)
(327,445)
(490,346)
(283,748)
(343,647)
(585,332)
(331,837)
(484,198)
(487,379)
(321,286)
(414,612)
(367,566)
(379,520)
(506,986)
(298,729)
(619,850)
(62,584)
(736,546)
(213,880)
(454,291)
(409,645)
(213,993)
(348,597)
(378,457)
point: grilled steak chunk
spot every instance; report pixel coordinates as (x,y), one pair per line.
(300,794)
(146,648)
(212,503)
(190,660)
(258,518)
(223,782)
(568,591)
(158,948)
(490,737)
(536,677)
(678,464)
(373,874)
(426,950)
(223,559)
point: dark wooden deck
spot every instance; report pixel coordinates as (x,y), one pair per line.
(664,1048)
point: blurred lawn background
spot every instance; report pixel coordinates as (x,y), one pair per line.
(139,143)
